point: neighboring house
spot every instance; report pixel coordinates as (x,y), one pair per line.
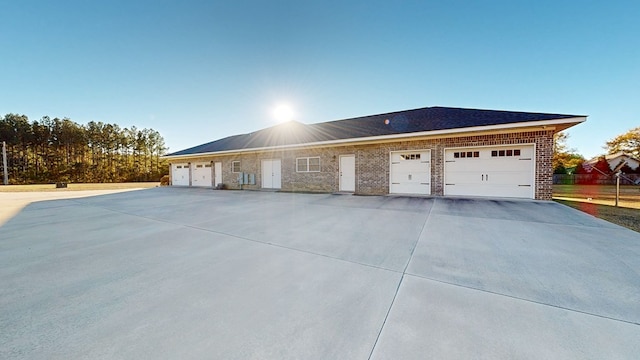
(429,151)
(615,159)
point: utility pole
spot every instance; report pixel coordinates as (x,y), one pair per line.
(4,163)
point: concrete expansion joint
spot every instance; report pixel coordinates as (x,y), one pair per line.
(289,248)
(248,239)
(523,299)
(404,272)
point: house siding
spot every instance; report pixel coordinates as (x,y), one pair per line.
(372,163)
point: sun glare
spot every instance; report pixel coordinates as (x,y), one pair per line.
(283,113)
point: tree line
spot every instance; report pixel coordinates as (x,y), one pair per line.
(61,150)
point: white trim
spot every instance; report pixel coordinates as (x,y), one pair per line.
(308,158)
(239,165)
(542,123)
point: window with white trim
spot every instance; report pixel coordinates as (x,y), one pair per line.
(308,164)
(235,166)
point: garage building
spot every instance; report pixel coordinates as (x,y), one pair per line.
(429,151)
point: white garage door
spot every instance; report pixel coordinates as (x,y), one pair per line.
(201,174)
(271,174)
(410,172)
(504,171)
(180,174)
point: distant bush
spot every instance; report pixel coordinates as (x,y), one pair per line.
(164,181)
(560,169)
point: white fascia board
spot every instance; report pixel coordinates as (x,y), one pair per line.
(541,123)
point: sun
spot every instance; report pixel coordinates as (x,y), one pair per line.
(283,113)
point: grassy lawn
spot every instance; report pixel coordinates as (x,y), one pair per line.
(77,187)
(599,200)
(629,218)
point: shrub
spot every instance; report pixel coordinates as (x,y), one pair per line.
(164,181)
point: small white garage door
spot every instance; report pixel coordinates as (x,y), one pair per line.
(271,174)
(504,171)
(410,172)
(201,174)
(180,174)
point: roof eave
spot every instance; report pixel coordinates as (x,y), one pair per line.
(557,124)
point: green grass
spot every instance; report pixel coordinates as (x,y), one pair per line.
(77,187)
(627,217)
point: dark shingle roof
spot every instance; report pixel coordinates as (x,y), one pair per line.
(401,122)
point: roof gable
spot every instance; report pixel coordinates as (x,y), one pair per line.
(401,122)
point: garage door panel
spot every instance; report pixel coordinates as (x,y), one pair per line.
(515,165)
(509,177)
(460,177)
(508,190)
(464,165)
(415,188)
(201,174)
(502,171)
(180,174)
(410,172)
(409,176)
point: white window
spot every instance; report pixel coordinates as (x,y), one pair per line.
(235,166)
(308,164)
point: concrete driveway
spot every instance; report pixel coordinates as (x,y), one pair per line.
(194,273)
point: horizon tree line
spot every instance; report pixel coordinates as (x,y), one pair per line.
(61,150)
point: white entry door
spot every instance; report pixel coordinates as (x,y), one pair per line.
(500,171)
(217,173)
(348,173)
(410,172)
(201,174)
(271,174)
(180,174)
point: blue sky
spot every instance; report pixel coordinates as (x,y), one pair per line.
(197,71)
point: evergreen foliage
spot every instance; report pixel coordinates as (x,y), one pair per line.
(61,150)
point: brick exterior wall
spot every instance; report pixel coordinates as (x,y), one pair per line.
(372,163)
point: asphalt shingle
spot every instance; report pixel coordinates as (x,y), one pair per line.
(401,122)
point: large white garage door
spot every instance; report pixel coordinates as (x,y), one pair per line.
(180,174)
(410,172)
(201,174)
(503,171)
